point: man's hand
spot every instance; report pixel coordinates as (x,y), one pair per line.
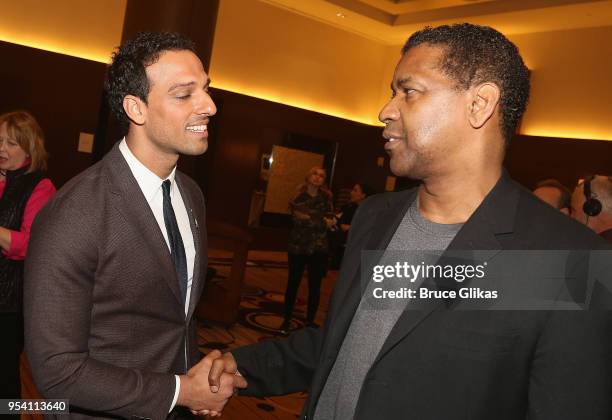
(221,365)
(195,393)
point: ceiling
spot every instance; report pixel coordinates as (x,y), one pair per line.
(392,21)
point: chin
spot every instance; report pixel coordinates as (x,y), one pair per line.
(401,169)
(410,165)
(196,149)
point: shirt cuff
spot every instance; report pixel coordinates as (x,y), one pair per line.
(177,389)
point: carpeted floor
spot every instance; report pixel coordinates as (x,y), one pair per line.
(260,317)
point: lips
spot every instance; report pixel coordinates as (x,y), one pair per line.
(392,140)
(388,134)
(199,127)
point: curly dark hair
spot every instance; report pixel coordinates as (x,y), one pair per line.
(475,54)
(126,74)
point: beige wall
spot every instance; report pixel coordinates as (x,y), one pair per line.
(312,65)
(88,29)
(571,83)
(299,62)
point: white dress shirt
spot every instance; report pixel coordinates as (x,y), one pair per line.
(151,186)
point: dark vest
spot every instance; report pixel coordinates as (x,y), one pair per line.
(17,191)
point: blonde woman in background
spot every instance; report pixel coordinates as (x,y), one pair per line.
(308,248)
(24,190)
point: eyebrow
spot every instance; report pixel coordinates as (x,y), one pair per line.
(180,85)
(401,81)
(187,84)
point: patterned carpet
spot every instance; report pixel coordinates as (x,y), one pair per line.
(260,317)
(262,311)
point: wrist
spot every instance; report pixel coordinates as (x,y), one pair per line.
(185,398)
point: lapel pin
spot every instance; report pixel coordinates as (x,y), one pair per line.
(195,221)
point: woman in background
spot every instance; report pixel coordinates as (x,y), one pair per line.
(308,248)
(24,190)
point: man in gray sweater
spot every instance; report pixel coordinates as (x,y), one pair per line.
(458,94)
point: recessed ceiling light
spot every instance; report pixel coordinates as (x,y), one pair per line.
(340,15)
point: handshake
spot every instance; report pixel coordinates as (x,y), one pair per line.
(209,385)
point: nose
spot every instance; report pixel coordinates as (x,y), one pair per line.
(389,112)
(206,106)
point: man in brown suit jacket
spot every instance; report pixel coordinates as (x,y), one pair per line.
(117,261)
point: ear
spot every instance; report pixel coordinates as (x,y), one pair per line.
(483,105)
(135,109)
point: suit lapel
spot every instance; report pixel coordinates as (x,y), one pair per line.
(389,219)
(129,200)
(376,236)
(197,280)
(493,219)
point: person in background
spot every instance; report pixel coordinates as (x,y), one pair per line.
(359,192)
(308,244)
(592,204)
(554,193)
(24,190)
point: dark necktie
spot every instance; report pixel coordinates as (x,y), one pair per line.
(177,249)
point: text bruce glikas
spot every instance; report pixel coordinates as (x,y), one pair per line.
(412,272)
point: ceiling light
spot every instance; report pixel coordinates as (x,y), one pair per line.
(340,15)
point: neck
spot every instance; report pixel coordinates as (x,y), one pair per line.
(4,172)
(453,198)
(158,161)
